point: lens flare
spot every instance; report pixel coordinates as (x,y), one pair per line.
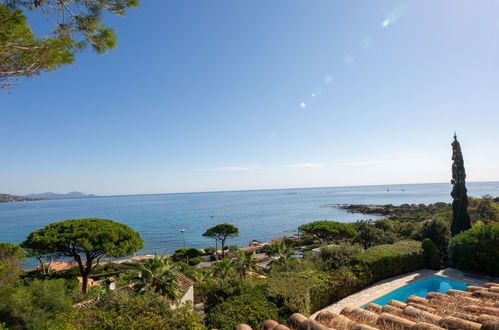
(348,59)
(328,79)
(366,43)
(302,105)
(394,15)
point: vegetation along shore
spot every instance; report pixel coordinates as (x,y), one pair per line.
(224,286)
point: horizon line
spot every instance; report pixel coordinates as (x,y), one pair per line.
(264,189)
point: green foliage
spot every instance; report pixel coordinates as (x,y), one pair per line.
(190,255)
(160,274)
(22,54)
(224,269)
(11,257)
(461,219)
(30,306)
(92,238)
(338,256)
(128,310)
(248,308)
(382,261)
(401,213)
(78,23)
(476,249)
(438,231)
(281,253)
(308,291)
(245,262)
(210,251)
(368,234)
(431,254)
(485,210)
(328,230)
(222,232)
(221,290)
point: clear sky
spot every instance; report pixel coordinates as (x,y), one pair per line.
(224,95)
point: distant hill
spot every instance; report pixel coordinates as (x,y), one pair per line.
(51,195)
(13,198)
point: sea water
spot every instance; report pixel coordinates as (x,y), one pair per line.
(259,214)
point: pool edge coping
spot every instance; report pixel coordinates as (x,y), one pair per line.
(386,286)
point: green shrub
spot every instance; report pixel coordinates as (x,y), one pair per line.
(291,292)
(369,235)
(248,308)
(382,261)
(476,249)
(431,254)
(32,305)
(128,310)
(310,290)
(188,254)
(338,256)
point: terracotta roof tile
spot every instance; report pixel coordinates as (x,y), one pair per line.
(477,308)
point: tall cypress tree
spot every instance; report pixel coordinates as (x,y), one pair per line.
(461,219)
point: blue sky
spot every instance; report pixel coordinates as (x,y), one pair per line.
(228,95)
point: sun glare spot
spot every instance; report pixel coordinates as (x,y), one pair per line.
(348,59)
(366,43)
(303,105)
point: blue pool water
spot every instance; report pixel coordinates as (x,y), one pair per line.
(421,289)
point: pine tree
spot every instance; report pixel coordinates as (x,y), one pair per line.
(461,219)
(77,24)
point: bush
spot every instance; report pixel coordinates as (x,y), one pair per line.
(476,249)
(194,256)
(248,308)
(291,292)
(310,290)
(338,256)
(382,261)
(128,310)
(431,254)
(32,305)
(369,235)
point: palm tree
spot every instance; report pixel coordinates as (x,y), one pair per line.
(224,268)
(161,274)
(245,262)
(281,252)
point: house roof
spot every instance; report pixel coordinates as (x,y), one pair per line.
(477,308)
(185,282)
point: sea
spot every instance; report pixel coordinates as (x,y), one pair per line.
(170,221)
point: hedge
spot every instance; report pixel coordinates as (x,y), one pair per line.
(248,308)
(383,261)
(476,249)
(309,291)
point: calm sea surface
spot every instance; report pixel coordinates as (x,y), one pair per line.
(260,215)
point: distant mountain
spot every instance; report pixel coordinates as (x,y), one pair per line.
(51,195)
(13,198)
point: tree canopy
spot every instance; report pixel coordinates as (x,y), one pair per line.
(328,230)
(86,241)
(11,257)
(461,219)
(78,23)
(222,232)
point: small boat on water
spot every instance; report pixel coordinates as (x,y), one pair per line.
(182,230)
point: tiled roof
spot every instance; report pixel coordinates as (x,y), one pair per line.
(477,308)
(185,282)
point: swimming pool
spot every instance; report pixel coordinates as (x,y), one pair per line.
(421,289)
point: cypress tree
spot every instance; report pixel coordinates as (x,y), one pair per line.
(461,219)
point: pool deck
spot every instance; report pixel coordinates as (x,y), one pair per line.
(388,285)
